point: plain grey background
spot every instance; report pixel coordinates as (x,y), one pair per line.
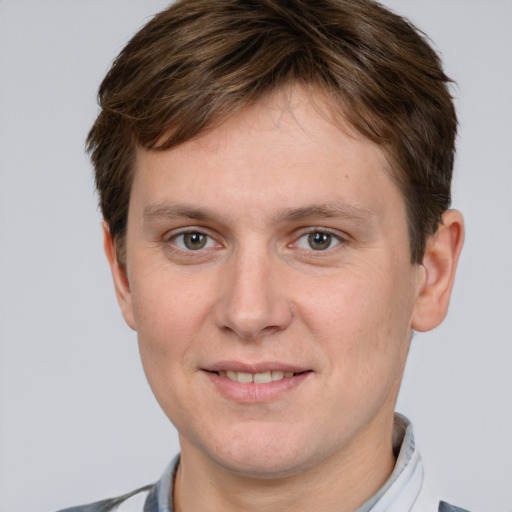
(77,420)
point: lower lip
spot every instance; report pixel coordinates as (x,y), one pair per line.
(253,393)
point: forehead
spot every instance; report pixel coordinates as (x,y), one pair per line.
(288,151)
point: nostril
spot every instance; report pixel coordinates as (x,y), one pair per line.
(250,303)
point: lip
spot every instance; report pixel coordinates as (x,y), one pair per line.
(255,393)
(238,366)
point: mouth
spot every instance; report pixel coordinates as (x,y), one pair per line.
(258,378)
(260,383)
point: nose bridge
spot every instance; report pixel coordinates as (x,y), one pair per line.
(252,302)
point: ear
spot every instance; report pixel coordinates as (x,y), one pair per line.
(121,284)
(439,265)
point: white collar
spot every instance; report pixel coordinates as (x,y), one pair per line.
(405,489)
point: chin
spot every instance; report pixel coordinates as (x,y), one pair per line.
(263,468)
(263,456)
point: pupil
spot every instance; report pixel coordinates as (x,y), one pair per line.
(194,241)
(319,241)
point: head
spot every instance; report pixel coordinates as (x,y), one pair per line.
(274,178)
(198,62)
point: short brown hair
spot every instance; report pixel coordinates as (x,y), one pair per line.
(199,61)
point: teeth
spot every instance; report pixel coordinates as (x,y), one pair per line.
(258,378)
(261,378)
(244,377)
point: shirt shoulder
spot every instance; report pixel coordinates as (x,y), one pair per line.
(446,507)
(131,502)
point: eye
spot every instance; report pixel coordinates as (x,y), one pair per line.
(193,241)
(318,241)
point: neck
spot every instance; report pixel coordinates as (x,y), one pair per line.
(341,482)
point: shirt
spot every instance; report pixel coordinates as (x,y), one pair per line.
(404,491)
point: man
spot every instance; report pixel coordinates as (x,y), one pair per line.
(275,182)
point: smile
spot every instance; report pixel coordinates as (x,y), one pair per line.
(253,384)
(258,378)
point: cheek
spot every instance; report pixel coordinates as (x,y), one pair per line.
(166,330)
(169,312)
(362,319)
(166,301)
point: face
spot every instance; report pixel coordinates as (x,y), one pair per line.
(269,280)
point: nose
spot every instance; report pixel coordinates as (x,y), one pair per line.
(253,301)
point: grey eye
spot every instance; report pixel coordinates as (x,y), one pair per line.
(319,241)
(193,241)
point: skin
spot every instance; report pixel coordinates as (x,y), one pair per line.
(258,293)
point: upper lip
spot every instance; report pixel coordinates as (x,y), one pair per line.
(237,366)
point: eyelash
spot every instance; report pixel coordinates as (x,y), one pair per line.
(334,240)
(210,243)
(171,240)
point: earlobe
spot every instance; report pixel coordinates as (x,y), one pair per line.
(438,272)
(121,283)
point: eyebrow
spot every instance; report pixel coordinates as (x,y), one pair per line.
(336,209)
(173,210)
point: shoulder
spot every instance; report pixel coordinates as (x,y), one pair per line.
(446,507)
(131,502)
(151,498)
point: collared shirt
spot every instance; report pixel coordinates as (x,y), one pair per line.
(404,491)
